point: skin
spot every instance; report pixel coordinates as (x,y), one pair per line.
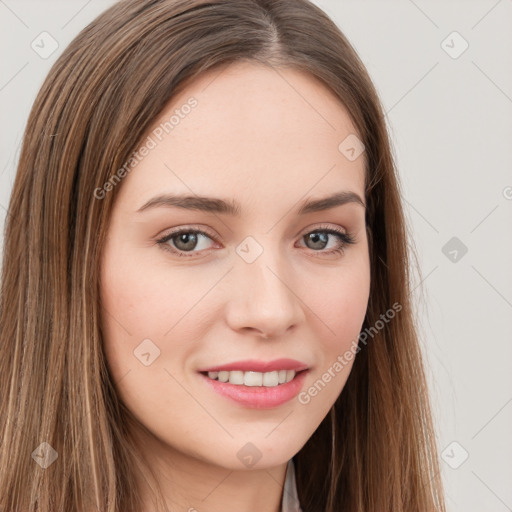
(268,140)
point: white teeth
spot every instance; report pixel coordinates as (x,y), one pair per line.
(223,376)
(267,379)
(253,378)
(290,374)
(271,379)
(236,377)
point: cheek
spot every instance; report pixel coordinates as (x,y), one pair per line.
(351,302)
(341,306)
(139,308)
(129,313)
(144,299)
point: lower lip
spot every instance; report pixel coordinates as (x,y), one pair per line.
(259,397)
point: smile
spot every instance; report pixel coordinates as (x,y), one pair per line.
(257,384)
(252,379)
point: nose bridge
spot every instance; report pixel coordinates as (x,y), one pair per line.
(264,298)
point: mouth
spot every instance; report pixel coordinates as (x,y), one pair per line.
(256,389)
(254,379)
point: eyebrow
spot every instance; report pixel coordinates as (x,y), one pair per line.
(221,206)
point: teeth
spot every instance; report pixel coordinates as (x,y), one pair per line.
(252,379)
(270,379)
(267,379)
(236,377)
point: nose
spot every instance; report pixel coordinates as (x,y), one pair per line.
(264,298)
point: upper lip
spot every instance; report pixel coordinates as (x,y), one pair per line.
(253,365)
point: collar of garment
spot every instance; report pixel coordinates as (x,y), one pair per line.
(290,500)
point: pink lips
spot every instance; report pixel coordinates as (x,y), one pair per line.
(258,397)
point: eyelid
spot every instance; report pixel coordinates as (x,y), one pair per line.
(188,228)
(322,227)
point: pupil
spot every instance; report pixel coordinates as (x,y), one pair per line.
(188,239)
(316,237)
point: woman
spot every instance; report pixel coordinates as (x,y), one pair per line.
(205,297)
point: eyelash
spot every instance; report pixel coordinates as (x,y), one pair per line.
(346,239)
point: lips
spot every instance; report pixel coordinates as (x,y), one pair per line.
(258,366)
(243,383)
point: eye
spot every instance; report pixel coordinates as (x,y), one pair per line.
(319,239)
(188,240)
(185,240)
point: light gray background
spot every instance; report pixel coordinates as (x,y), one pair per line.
(450,120)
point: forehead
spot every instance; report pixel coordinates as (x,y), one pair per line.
(258,131)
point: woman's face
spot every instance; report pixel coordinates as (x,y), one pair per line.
(257,285)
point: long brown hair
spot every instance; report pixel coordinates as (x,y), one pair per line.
(374,452)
